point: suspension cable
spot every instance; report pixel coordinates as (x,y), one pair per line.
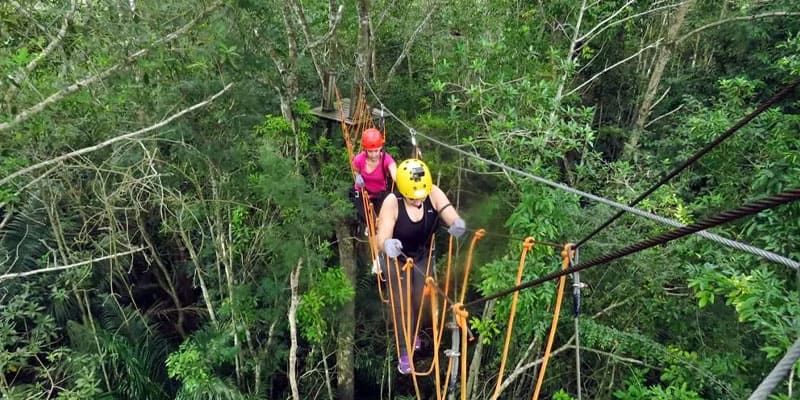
(517,238)
(691,160)
(706,223)
(765,254)
(776,375)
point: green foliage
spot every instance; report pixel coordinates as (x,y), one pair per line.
(635,390)
(487,329)
(232,195)
(542,213)
(86,380)
(562,395)
(25,330)
(760,299)
(190,366)
(319,303)
(791,62)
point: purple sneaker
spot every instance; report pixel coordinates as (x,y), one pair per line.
(403,365)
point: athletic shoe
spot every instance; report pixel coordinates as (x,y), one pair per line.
(403,365)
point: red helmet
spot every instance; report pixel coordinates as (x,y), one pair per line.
(371,139)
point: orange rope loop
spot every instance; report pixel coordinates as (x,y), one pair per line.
(430,290)
(479,234)
(566,259)
(429,281)
(447,278)
(527,245)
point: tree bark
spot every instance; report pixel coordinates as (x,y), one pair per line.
(361,72)
(294,282)
(663,57)
(344,342)
(477,355)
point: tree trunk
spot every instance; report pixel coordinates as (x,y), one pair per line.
(344,345)
(662,58)
(361,72)
(477,355)
(294,282)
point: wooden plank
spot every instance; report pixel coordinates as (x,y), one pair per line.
(341,109)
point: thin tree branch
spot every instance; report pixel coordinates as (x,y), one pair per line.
(655,103)
(22,74)
(193,254)
(586,38)
(745,18)
(334,23)
(410,42)
(663,115)
(292,315)
(521,369)
(20,190)
(63,267)
(614,356)
(300,15)
(611,307)
(618,63)
(605,21)
(115,139)
(61,94)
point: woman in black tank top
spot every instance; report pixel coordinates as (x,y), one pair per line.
(406,224)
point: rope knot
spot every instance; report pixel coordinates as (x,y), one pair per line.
(461,314)
(528,243)
(409,264)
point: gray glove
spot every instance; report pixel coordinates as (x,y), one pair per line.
(458,228)
(360,181)
(392,247)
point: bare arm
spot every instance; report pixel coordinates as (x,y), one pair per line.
(439,200)
(393,171)
(386,219)
(354,164)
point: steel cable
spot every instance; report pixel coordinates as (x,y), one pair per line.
(778,373)
(765,254)
(708,147)
(706,223)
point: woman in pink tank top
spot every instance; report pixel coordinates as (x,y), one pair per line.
(373,168)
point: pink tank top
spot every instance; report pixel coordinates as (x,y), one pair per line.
(375,181)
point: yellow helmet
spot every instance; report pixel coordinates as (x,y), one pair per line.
(414,180)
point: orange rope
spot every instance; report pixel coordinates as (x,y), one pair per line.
(439,331)
(402,324)
(430,282)
(426,294)
(369,213)
(447,278)
(359,124)
(405,304)
(392,311)
(566,257)
(461,315)
(479,234)
(408,267)
(526,246)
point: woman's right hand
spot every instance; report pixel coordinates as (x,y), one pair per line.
(360,182)
(393,247)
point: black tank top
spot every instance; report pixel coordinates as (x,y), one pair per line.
(415,236)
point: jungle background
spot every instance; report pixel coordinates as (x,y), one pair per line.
(175,222)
